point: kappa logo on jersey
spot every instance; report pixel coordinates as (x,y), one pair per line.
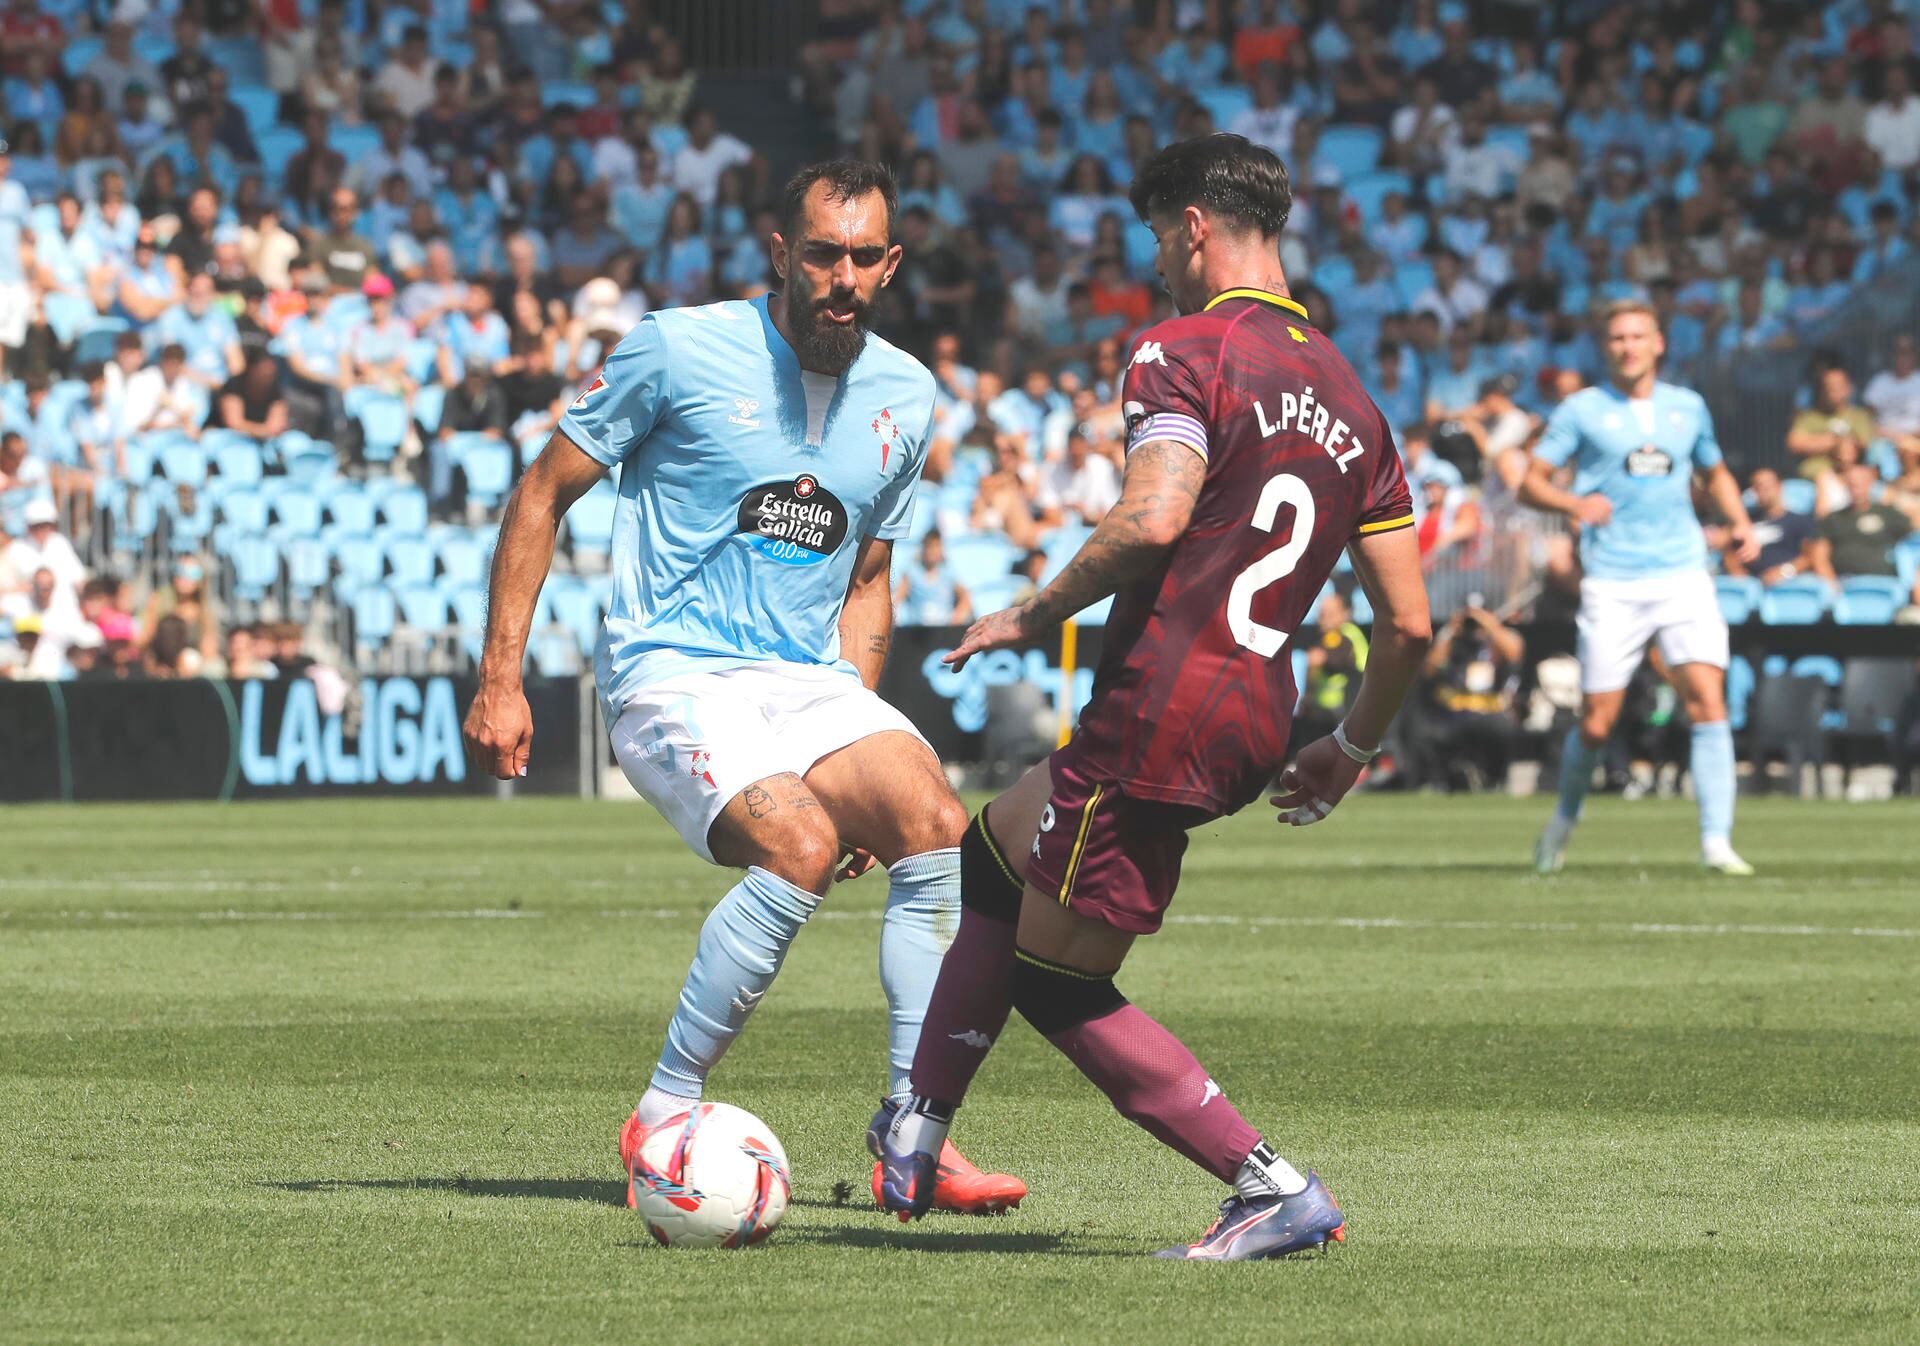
(797,523)
(1649,461)
(743,412)
(1148,354)
(888,429)
(1046,825)
(599,384)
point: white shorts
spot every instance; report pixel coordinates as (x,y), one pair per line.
(691,743)
(1619,617)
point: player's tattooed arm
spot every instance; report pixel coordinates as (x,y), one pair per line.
(1162,485)
(866,619)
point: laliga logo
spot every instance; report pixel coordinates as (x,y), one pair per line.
(967,687)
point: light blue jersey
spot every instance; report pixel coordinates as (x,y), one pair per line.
(1641,456)
(746,488)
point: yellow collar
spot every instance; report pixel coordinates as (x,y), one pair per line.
(1264,296)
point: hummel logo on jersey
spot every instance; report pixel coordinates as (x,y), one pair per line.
(743,412)
(973,1037)
(1148,354)
(1208,1094)
(746,1000)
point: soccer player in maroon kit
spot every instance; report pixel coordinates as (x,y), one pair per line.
(1254,457)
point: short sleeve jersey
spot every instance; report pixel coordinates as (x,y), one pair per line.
(746,486)
(1193,700)
(1640,454)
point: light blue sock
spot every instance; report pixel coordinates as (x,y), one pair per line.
(923,913)
(1713,778)
(742,944)
(1576,773)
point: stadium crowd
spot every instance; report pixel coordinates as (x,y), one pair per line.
(290,291)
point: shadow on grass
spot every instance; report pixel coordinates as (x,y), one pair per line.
(548,1189)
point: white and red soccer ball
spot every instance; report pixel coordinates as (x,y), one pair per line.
(713,1177)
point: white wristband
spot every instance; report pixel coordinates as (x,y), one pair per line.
(1361,755)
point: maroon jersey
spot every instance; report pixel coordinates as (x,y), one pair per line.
(1194,695)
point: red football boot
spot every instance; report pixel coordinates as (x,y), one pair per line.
(960,1187)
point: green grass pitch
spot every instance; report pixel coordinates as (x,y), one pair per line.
(353,1072)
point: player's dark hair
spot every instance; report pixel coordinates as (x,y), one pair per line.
(1224,174)
(846,180)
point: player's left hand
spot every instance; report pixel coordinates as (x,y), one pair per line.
(855,863)
(995,631)
(1318,779)
(1744,544)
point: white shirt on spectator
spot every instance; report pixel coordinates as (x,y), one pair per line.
(1035,309)
(1464,301)
(1272,127)
(57,555)
(143,410)
(697,171)
(366,176)
(1894,133)
(1480,170)
(1088,491)
(408,91)
(1894,401)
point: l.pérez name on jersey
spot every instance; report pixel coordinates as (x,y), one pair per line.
(798,522)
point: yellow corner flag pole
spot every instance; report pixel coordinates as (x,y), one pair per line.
(1069,648)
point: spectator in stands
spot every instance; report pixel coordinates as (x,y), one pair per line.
(680,270)
(116,66)
(347,258)
(708,153)
(1893,396)
(1449,518)
(244,660)
(1859,539)
(927,595)
(1464,730)
(476,405)
(99,432)
(392,155)
(1336,658)
(1006,501)
(1785,538)
(45,548)
(24,478)
(1834,428)
(185,602)
(163,396)
(204,331)
(1082,485)
(377,345)
(252,402)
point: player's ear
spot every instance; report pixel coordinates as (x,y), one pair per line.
(1195,220)
(778,248)
(894,254)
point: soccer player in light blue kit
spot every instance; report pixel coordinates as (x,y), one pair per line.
(1636,445)
(767,455)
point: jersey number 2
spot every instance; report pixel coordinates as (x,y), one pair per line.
(1285,489)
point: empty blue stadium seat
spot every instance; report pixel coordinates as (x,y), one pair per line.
(246,510)
(96,344)
(1799,495)
(428,403)
(353,143)
(361,561)
(422,607)
(555,92)
(309,565)
(384,421)
(1368,190)
(489,469)
(1739,596)
(1740,684)
(1350,148)
(412,560)
(78,51)
(980,559)
(297,514)
(260,106)
(238,463)
(1822,666)
(256,567)
(1800,601)
(184,462)
(374,615)
(277,145)
(1413,278)
(464,561)
(468,603)
(590,521)
(405,510)
(352,511)
(1906,559)
(1869,600)
(1224,102)
(574,607)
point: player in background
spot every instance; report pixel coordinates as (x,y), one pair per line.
(1254,458)
(768,452)
(1637,445)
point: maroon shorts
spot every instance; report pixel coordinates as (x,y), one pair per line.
(1107,856)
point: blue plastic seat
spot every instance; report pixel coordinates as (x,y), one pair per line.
(184,462)
(1413,278)
(573,606)
(555,92)
(1800,601)
(375,613)
(980,559)
(428,404)
(412,560)
(297,513)
(309,565)
(352,511)
(1352,149)
(1799,495)
(422,607)
(383,419)
(361,561)
(256,567)
(1906,560)
(277,145)
(1739,596)
(554,654)
(246,510)
(353,143)
(489,469)
(78,51)
(96,344)
(1869,600)
(238,463)
(260,106)
(590,521)
(1224,102)
(405,510)
(464,561)
(1368,191)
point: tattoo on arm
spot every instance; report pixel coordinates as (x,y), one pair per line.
(1164,479)
(877,644)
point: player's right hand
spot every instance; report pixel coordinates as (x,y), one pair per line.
(995,631)
(1595,510)
(499,730)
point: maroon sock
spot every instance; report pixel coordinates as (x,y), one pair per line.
(1155,1082)
(970,1004)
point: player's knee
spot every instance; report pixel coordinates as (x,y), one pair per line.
(988,884)
(1054,998)
(1705,707)
(1595,727)
(804,853)
(932,820)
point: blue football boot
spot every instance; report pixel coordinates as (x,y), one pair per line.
(1249,1230)
(951,1182)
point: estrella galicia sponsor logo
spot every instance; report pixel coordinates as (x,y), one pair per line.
(1649,461)
(797,523)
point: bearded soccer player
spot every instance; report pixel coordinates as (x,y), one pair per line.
(767,452)
(1637,445)
(1254,458)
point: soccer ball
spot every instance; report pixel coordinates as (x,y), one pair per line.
(714,1177)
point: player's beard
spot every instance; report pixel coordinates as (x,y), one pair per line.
(823,345)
